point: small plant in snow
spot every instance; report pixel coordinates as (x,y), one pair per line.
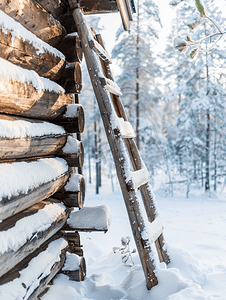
(183,44)
(125,251)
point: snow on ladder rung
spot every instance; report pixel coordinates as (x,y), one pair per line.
(110,85)
(126,129)
(100,51)
(155,229)
(140,177)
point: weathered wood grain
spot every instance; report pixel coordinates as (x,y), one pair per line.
(36,19)
(73,193)
(11,258)
(72,123)
(24,100)
(15,204)
(71,78)
(70,46)
(26,55)
(29,146)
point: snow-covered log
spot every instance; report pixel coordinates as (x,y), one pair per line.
(36,19)
(23,233)
(25,183)
(70,46)
(22,138)
(73,193)
(25,49)
(95,218)
(23,92)
(72,152)
(29,278)
(71,78)
(74,267)
(73,119)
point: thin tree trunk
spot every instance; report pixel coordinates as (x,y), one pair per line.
(137,83)
(99,152)
(207,179)
(96,157)
(89,157)
(215,156)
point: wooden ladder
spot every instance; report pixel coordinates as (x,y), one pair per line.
(124,150)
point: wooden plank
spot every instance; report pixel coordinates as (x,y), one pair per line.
(71,78)
(94,218)
(30,277)
(73,119)
(17,143)
(35,19)
(155,229)
(71,47)
(110,86)
(100,51)
(18,199)
(24,247)
(33,54)
(24,93)
(125,128)
(96,7)
(124,14)
(118,151)
(140,177)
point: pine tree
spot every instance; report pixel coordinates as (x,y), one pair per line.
(141,95)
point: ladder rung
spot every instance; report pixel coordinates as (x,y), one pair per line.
(140,177)
(100,51)
(155,229)
(125,128)
(110,86)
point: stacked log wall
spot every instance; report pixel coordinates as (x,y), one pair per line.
(40,127)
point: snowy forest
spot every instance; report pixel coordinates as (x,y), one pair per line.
(174,101)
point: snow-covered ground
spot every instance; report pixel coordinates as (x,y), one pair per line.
(196,239)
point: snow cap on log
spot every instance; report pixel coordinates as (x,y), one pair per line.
(95,218)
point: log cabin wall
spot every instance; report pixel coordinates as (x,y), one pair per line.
(40,148)
(41,153)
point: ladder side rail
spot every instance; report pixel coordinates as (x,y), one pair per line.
(116,144)
(145,190)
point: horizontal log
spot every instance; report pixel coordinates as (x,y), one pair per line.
(71,78)
(23,184)
(73,152)
(70,46)
(24,93)
(25,49)
(73,119)
(73,193)
(30,277)
(96,218)
(43,220)
(22,138)
(74,267)
(57,8)
(36,19)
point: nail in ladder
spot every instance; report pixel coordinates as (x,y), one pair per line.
(120,136)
